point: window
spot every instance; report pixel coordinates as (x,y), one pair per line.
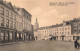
(11,35)
(27,17)
(79,23)
(11,15)
(7,23)
(23,13)
(2,11)
(2,21)
(17,24)
(7,13)
(55,33)
(62,33)
(2,35)
(14,17)
(6,35)
(79,30)
(75,24)
(11,24)
(75,30)
(60,29)
(14,25)
(65,33)
(68,33)
(65,28)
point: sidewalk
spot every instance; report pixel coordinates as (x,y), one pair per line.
(9,43)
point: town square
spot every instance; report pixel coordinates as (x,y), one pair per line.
(39,25)
(40,46)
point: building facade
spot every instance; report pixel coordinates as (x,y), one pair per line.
(75,28)
(66,31)
(13,24)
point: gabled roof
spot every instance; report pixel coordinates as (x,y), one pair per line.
(19,8)
(8,5)
(26,11)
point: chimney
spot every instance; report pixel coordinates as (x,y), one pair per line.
(64,23)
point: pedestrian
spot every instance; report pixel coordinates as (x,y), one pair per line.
(76,44)
(51,39)
(34,38)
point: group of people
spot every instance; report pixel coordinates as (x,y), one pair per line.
(76,44)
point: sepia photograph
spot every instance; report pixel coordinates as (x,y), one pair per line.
(39,25)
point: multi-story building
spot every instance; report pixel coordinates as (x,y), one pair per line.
(26,22)
(64,31)
(13,23)
(75,28)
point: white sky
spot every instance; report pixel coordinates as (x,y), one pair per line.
(49,15)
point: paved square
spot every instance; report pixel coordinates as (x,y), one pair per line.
(40,46)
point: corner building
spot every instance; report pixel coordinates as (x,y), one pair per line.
(12,24)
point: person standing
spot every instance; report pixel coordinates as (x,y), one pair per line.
(51,39)
(76,44)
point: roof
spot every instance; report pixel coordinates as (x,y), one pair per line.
(13,8)
(61,24)
(8,5)
(52,26)
(74,20)
(18,8)
(26,11)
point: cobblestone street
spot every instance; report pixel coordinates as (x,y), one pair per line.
(40,46)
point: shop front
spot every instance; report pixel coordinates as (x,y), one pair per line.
(63,37)
(76,37)
(19,36)
(7,35)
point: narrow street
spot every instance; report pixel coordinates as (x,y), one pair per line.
(40,46)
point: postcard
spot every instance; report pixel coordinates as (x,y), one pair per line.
(39,25)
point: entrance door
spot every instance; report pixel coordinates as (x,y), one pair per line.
(54,38)
(77,37)
(62,38)
(2,36)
